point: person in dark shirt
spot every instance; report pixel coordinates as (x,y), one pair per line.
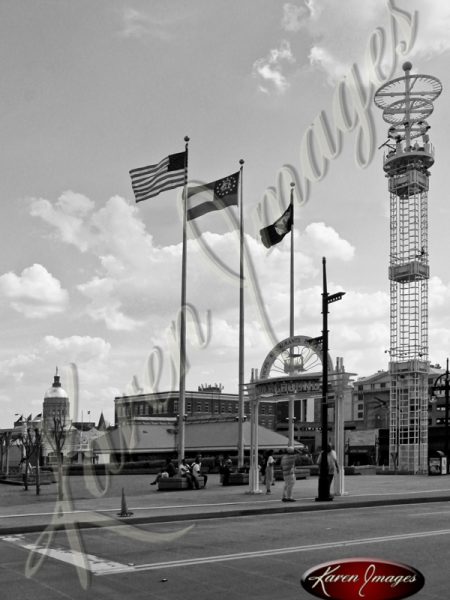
(168,471)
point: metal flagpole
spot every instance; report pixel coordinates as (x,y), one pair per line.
(291,323)
(182,374)
(241,322)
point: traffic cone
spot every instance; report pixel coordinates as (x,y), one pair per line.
(124,512)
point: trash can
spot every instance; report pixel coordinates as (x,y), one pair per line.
(437,465)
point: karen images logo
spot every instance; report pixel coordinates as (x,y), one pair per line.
(362,578)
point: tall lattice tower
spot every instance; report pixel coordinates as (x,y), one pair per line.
(407,102)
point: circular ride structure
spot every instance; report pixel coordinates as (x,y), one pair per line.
(406,103)
(294,356)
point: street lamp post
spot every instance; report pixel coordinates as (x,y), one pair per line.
(444,387)
(324,487)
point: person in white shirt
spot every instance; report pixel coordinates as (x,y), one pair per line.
(196,470)
(185,471)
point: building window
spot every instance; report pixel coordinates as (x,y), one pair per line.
(360,411)
(189,406)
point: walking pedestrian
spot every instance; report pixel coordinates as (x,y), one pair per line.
(333,466)
(268,472)
(288,468)
(24,469)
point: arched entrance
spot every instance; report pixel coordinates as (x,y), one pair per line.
(292,374)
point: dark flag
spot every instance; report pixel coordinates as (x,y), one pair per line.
(273,234)
(148,182)
(213,196)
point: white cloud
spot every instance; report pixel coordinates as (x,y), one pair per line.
(322,58)
(78,349)
(270,69)
(68,216)
(340,31)
(324,240)
(134,281)
(135,24)
(138,25)
(35,293)
(434,29)
(294,16)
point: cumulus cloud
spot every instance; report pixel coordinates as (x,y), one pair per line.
(134,282)
(35,293)
(134,289)
(67,216)
(117,237)
(322,239)
(339,32)
(270,70)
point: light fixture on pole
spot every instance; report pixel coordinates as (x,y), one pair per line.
(324,482)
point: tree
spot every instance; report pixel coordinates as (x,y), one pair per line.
(55,432)
(31,444)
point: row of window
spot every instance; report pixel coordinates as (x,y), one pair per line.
(366,387)
(144,409)
(370,387)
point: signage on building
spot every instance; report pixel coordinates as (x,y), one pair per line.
(286,386)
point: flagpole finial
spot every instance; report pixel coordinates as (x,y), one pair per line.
(186,138)
(241,162)
(292,184)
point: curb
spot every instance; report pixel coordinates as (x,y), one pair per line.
(241,512)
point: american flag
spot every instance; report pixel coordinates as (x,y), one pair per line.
(148,182)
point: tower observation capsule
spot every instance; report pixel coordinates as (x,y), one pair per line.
(407,102)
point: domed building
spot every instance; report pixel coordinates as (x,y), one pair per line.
(55,421)
(56,405)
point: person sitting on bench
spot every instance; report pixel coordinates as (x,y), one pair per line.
(167,471)
(196,470)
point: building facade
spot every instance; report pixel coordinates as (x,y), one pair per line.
(207,401)
(368,439)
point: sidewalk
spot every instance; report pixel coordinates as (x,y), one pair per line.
(22,511)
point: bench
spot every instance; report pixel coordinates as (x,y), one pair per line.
(236,478)
(177,483)
(300,473)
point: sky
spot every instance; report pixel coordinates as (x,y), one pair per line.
(90,280)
